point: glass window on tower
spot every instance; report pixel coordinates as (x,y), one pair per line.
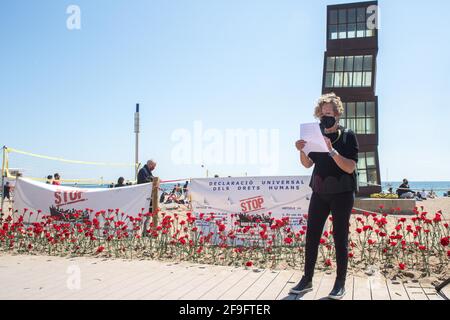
(359,116)
(349,71)
(348,23)
(333,17)
(367,169)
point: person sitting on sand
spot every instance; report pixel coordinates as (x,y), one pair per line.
(422,194)
(431,194)
(404,192)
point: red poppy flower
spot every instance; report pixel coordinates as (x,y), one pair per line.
(402,266)
(445,241)
(100,249)
(249,264)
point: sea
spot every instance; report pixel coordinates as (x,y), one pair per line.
(439,187)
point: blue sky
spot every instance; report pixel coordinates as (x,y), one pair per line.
(229,64)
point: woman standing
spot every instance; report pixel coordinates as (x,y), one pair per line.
(334,184)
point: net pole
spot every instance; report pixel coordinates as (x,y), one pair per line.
(3,174)
(136,131)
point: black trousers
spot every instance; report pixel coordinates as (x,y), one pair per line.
(340,205)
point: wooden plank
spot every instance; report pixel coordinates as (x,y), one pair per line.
(275,287)
(220,289)
(361,288)
(191,283)
(96,283)
(45,278)
(206,286)
(378,288)
(396,290)
(239,288)
(151,289)
(284,293)
(430,291)
(317,280)
(349,288)
(326,285)
(259,286)
(113,285)
(415,291)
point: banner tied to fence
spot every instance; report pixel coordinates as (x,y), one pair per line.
(249,200)
(75,204)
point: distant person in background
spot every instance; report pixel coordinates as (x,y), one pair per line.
(422,195)
(431,194)
(178,190)
(390,191)
(185,188)
(404,192)
(56,179)
(49,179)
(6,191)
(145,174)
(120,183)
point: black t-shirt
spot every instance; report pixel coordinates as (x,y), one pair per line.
(327,177)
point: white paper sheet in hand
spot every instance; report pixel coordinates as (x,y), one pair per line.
(310,132)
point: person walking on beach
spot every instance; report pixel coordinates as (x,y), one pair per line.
(145,174)
(334,185)
(56,181)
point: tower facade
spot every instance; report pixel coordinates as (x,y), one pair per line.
(350,64)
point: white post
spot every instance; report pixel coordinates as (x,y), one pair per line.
(3,175)
(136,131)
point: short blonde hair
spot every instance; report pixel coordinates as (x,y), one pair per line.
(329,98)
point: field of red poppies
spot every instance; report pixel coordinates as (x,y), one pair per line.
(394,244)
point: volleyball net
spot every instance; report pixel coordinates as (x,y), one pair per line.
(39,167)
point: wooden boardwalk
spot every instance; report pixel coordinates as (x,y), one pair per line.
(41,277)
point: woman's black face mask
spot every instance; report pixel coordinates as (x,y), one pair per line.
(327,122)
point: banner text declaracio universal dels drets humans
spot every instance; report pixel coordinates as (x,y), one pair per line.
(251,185)
(237,202)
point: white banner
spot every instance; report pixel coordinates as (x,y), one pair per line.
(252,198)
(63,202)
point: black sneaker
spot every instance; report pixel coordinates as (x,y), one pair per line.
(303,286)
(338,291)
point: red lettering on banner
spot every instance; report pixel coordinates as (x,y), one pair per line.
(64,197)
(57,198)
(252,204)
